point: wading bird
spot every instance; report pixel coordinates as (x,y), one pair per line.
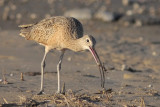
(61,33)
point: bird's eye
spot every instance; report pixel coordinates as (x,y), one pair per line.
(87,40)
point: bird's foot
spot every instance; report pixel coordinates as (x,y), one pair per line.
(41,92)
(61,91)
(58,92)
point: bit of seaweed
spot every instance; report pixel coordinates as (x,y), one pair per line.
(70,99)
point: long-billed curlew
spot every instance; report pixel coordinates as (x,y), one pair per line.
(61,33)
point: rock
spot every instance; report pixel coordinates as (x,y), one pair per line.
(152,11)
(136,6)
(104,15)
(123,67)
(11,74)
(12,17)
(13,7)
(47,15)
(1,2)
(127,20)
(141,10)
(79,13)
(130,2)
(137,9)
(150,85)
(51,1)
(69,58)
(33,16)
(140,20)
(154,53)
(125,2)
(18,16)
(5,13)
(138,23)
(129,12)
(130,69)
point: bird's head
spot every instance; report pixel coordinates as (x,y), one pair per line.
(88,41)
(88,44)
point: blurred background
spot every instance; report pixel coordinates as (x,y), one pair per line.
(126,12)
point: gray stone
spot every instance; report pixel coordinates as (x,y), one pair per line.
(5,13)
(79,13)
(104,16)
(1,2)
(125,2)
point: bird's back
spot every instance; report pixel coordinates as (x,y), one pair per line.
(53,29)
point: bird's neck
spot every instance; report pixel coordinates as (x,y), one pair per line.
(75,45)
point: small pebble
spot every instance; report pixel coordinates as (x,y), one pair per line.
(47,16)
(69,58)
(152,11)
(12,16)
(141,10)
(125,105)
(136,6)
(140,38)
(123,67)
(11,74)
(13,7)
(154,53)
(33,16)
(138,23)
(129,12)
(108,78)
(149,85)
(18,16)
(120,92)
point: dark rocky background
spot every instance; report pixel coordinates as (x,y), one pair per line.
(126,12)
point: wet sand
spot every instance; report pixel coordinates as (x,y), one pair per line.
(131,55)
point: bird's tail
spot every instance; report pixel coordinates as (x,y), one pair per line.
(25,30)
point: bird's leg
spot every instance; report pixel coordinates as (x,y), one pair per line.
(42,71)
(58,71)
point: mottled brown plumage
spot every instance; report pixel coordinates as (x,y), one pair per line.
(54,28)
(60,33)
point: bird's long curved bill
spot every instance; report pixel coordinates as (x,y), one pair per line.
(101,67)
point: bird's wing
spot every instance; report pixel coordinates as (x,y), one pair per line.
(44,30)
(39,32)
(76,28)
